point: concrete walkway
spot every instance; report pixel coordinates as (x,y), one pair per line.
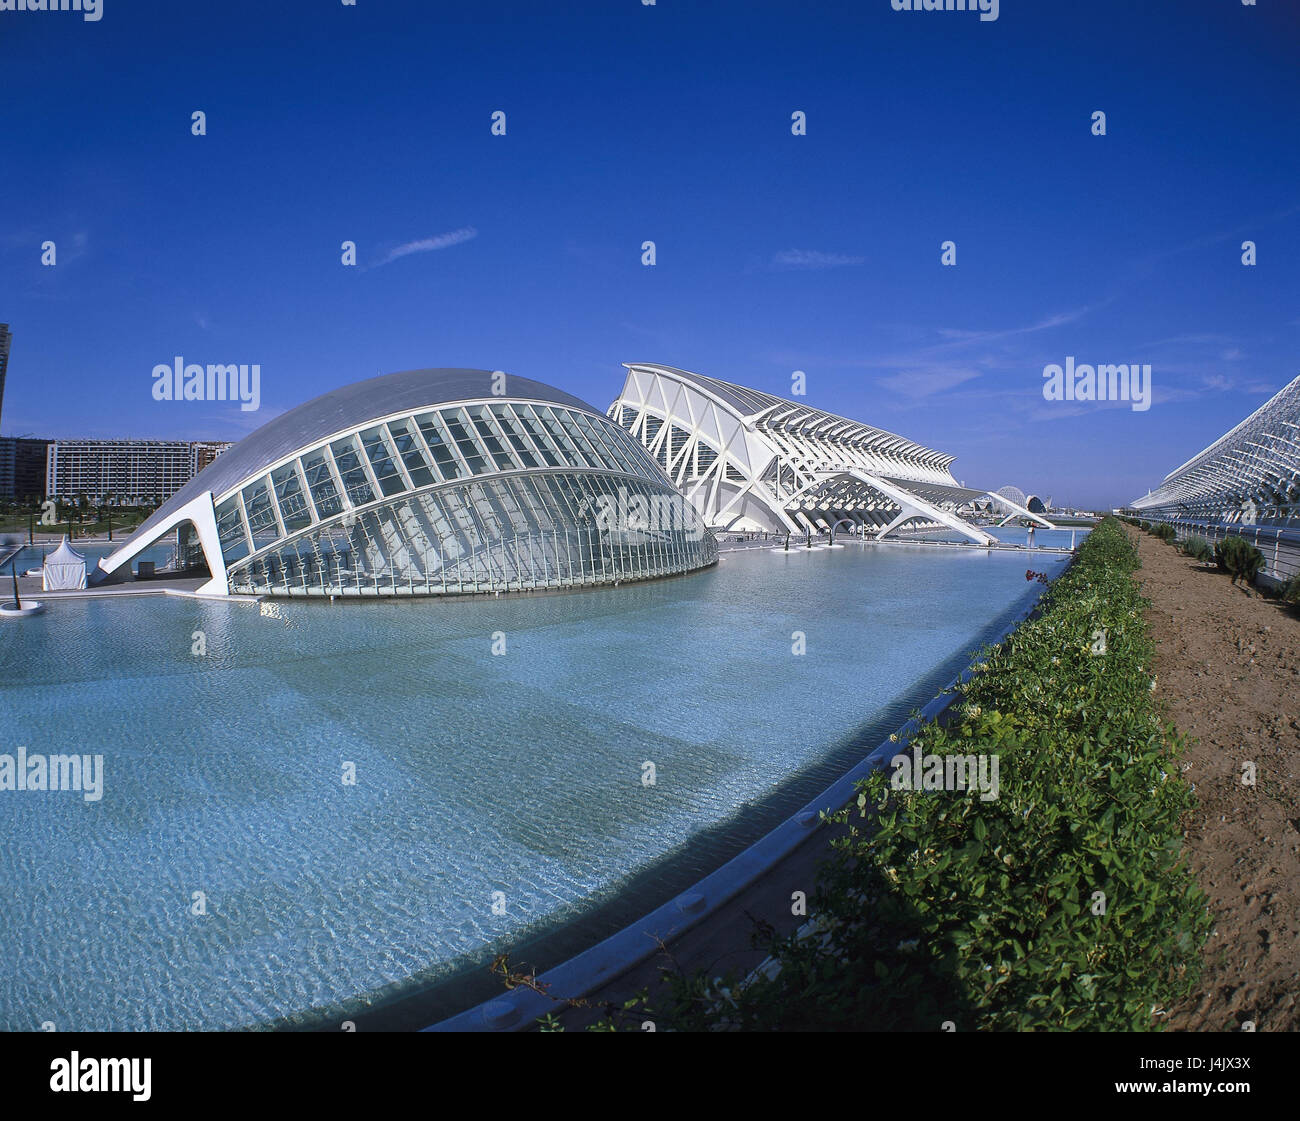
(29,587)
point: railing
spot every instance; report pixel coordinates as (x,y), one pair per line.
(1280,545)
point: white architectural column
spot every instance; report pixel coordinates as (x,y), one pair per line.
(202,514)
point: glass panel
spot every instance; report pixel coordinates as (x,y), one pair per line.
(488,431)
(381,459)
(596,458)
(293,502)
(518,441)
(469,448)
(230,530)
(354,478)
(500,534)
(597,433)
(408,447)
(320,481)
(435,435)
(261,513)
(705,457)
(533,426)
(643,460)
(571,449)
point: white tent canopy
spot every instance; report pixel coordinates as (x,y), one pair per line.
(64,569)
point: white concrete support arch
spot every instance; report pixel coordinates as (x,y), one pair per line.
(198,511)
(1016,511)
(911,507)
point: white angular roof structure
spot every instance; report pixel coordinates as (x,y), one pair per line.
(1249,475)
(749,460)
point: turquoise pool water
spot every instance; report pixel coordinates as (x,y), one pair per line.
(476,773)
(1066,538)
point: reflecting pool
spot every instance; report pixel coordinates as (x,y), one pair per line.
(230,876)
(1066,537)
(33,556)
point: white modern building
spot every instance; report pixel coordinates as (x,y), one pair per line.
(1248,476)
(750,461)
(1030,502)
(428,482)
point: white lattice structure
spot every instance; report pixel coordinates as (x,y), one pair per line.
(1248,476)
(428,483)
(750,461)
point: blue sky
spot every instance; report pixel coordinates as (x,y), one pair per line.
(670,123)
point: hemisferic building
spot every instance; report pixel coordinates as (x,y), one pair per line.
(428,482)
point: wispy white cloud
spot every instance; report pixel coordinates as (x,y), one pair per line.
(941,360)
(812,259)
(1191,340)
(955,337)
(428,245)
(928,382)
(1246,230)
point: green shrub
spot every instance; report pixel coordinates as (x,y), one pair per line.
(1291,594)
(1198,549)
(1166,533)
(1238,558)
(1062,904)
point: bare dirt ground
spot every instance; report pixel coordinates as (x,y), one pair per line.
(1228,671)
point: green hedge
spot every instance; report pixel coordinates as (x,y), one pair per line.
(942,909)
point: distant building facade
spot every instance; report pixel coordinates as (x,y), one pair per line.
(6,337)
(129,472)
(22,467)
(206,453)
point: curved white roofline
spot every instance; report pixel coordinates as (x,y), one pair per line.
(390,487)
(744,456)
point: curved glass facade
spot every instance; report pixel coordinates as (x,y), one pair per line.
(1249,476)
(472,497)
